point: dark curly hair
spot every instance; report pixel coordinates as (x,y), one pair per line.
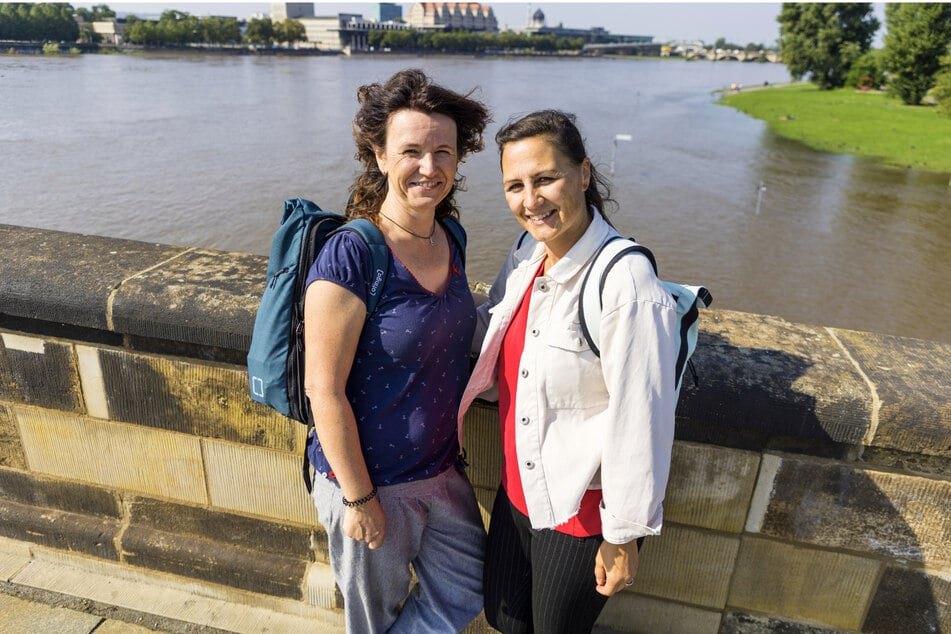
(559,127)
(408,89)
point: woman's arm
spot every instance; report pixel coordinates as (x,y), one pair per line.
(637,359)
(333,320)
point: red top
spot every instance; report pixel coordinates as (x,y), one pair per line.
(587,522)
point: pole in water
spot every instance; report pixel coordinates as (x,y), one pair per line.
(759,195)
(618,137)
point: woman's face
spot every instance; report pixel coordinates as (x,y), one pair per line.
(419,159)
(545,191)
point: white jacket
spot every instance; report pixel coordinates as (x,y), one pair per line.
(584,422)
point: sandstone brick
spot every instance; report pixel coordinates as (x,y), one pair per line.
(130,457)
(38,372)
(74,532)
(71,290)
(627,612)
(804,584)
(215,561)
(687,565)
(11,449)
(201,296)
(63,495)
(911,378)
(320,588)
(258,481)
(200,399)
(485,498)
(743,623)
(710,486)
(206,523)
(753,364)
(841,506)
(910,601)
(481,442)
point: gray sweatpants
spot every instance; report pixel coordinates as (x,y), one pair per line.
(433,524)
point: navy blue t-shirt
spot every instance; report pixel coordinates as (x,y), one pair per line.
(411,364)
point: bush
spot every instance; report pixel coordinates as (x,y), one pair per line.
(866,71)
(51,48)
(942,87)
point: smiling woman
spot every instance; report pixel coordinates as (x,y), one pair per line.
(573,423)
(385,396)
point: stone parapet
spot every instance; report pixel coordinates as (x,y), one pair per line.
(809,487)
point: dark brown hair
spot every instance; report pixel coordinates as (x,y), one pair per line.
(408,89)
(560,129)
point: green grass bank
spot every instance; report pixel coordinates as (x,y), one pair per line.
(847,121)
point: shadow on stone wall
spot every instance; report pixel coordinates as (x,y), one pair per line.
(851,520)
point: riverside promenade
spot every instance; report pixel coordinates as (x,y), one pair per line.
(140,487)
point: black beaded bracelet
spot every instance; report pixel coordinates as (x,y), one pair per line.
(366,498)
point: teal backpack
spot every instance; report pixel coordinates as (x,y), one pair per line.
(689,299)
(276,355)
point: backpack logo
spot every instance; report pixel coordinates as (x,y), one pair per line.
(376,281)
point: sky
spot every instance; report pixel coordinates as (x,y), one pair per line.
(738,22)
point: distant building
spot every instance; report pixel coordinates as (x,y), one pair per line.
(346,32)
(594,35)
(388,12)
(466,16)
(110,30)
(281,11)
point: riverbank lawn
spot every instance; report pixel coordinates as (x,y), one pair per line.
(847,121)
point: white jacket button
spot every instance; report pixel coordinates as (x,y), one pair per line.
(524,373)
(524,420)
(529,464)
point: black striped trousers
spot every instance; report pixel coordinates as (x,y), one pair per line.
(538,580)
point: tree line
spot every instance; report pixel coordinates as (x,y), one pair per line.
(38,22)
(470,41)
(831,44)
(56,22)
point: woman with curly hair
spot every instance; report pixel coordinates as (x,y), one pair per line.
(388,487)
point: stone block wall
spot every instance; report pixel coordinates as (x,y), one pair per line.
(809,488)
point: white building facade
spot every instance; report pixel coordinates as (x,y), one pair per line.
(468,16)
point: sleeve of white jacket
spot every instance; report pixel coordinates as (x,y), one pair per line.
(637,358)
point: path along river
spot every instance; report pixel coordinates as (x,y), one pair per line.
(201,150)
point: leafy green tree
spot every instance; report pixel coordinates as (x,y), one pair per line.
(42,21)
(918,35)
(178,27)
(289,31)
(217,30)
(259,31)
(824,39)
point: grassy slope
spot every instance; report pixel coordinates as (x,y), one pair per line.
(850,122)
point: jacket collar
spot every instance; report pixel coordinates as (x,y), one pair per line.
(577,257)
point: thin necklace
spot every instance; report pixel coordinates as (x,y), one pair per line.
(432,231)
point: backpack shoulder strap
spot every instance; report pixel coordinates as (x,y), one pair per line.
(458,235)
(379,254)
(589,306)
(521,240)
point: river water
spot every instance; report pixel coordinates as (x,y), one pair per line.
(201,150)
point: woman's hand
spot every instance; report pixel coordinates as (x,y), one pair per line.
(615,566)
(366,523)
